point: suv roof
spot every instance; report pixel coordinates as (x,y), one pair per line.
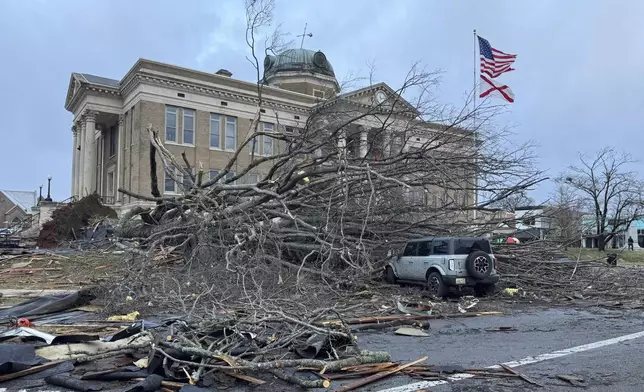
(448,238)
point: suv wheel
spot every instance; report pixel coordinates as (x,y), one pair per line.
(390,277)
(435,285)
(479,264)
(483,290)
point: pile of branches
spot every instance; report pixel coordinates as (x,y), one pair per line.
(252,342)
(334,197)
(540,270)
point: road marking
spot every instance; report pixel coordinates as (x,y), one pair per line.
(521,362)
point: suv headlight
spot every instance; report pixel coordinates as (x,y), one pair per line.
(451,264)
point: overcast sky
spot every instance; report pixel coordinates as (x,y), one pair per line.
(578,82)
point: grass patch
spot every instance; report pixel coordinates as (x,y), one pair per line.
(625,256)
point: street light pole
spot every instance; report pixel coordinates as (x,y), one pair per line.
(40,194)
(48,189)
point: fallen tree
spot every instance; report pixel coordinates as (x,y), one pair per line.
(338,193)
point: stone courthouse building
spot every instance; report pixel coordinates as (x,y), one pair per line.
(206,115)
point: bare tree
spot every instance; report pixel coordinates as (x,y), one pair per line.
(566,212)
(512,202)
(609,189)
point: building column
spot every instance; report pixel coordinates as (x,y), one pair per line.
(74,160)
(363,142)
(80,174)
(119,156)
(89,175)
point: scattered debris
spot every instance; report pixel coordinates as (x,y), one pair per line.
(573,380)
(406,331)
(501,329)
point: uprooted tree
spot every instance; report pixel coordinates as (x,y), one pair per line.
(354,179)
(608,190)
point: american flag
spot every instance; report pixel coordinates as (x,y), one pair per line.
(493,61)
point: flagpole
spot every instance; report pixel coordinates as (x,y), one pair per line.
(476,180)
(474,72)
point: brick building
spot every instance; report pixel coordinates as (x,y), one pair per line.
(206,115)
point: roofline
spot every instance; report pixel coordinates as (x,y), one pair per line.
(250,85)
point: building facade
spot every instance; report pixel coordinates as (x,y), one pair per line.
(16,207)
(206,116)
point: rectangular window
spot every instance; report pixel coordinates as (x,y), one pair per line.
(188,126)
(252,179)
(169,183)
(114,137)
(215,131)
(440,248)
(170,124)
(411,249)
(268,140)
(231,133)
(425,248)
(318,93)
(230,175)
(253,146)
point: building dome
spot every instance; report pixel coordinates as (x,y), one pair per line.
(299,61)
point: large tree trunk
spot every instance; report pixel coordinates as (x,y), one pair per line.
(601,243)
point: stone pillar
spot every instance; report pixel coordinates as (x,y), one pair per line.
(119,156)
(80,174)
(89,155)
(74,159)
(363,142)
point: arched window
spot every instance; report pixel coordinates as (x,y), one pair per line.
(15,221)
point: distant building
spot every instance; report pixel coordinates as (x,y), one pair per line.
(533,223)
(635,230)
(16,206)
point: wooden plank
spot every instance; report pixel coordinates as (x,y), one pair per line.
(29,371)
(378,376)
(521,375)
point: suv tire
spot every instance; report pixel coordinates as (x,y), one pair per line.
(479,264)
(436,286)
(390,276)
(483,290)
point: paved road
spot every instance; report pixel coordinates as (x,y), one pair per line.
(603,362)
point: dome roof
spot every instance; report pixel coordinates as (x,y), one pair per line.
(298,60)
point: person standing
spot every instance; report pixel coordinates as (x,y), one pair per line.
(630,243)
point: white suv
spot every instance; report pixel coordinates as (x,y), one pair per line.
(444,262)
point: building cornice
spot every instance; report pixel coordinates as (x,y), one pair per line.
(155,80)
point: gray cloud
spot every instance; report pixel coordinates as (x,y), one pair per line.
(578,81)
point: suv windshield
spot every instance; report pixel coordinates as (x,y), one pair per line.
(465,246)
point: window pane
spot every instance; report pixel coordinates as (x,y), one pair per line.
(188,126)
(252,178)
(229,176)
(268,145)
(424,248)
(410,249)
(441,248)
(231,133)
(215,137)
(169,183)
(467,246)
(171,124)
(254,146)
